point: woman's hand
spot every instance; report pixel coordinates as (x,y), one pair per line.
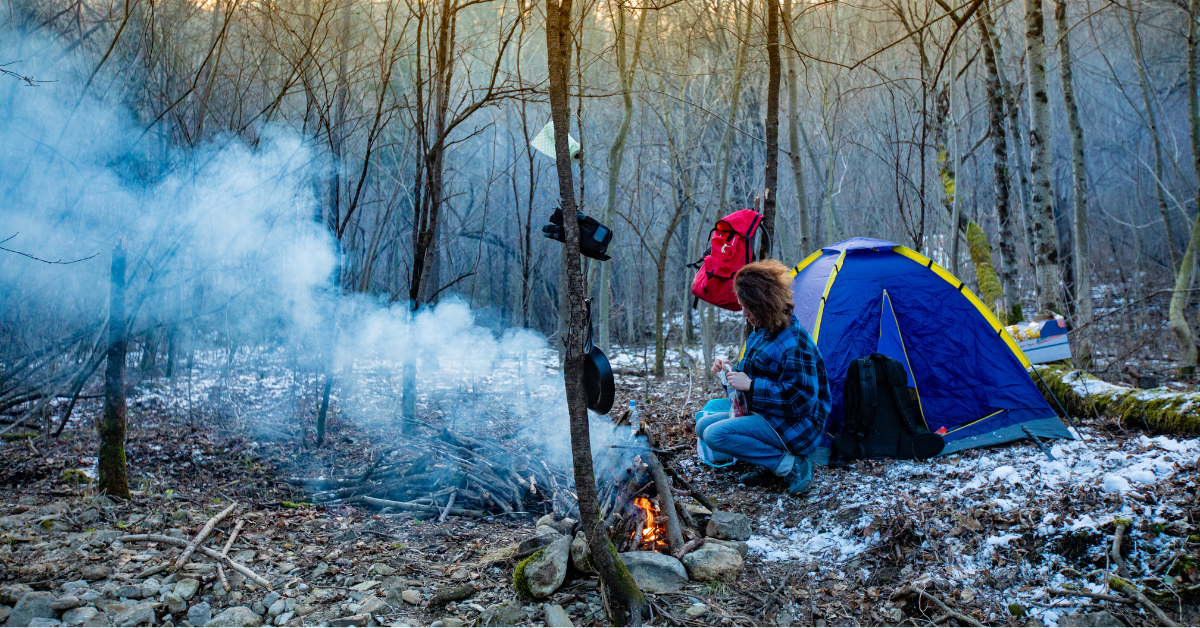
(738,380)
(719,365)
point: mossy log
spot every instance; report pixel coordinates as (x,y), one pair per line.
(989,284)
(1083,395)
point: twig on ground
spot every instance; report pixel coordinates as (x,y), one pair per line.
(211,553)
(771,598)
(224,580)
(1151,607)
(203,534)
(232,537)
(678,474)
(1094,596)
(957,616)
(146,573)
(1115,552)
(449,505)
(383,503)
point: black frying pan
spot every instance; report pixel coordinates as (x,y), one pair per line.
(597,373)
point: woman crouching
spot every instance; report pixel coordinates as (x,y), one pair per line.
(782,376)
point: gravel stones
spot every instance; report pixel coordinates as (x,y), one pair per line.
(187,588)
(411,596)
(556,616)
(139,615)
(353,620)
(714,562)
(731,526)
(502,615)
(655,572)
(236,616)
(175,604)
(34,604)
(1089,620)
(86,616)
(199,614)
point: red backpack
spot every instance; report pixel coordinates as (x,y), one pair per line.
(731,240)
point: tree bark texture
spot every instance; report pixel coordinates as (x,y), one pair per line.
(1000,172)
(1046,251)
(111,466)
(1082,265)
(767,237)
(1183,278)
(616,155)
(624,602)
(803,226)
(1152,124)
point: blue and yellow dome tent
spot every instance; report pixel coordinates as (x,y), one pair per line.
(862,296)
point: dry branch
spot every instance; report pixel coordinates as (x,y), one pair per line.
(1133,592)
(211,553)
(386,503)
(1094,596)
(957,616)
(1115,553)
(203,534)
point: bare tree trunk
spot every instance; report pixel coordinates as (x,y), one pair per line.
(111,428)
(1152,124)
(624,602)
(1004,220)
(767,238)
(1013,119)
(1046,251)
(323,412)
(616,156)
(1183,279)
(1082,263)
(803,225)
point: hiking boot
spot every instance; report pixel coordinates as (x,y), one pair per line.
(758,477)
(800,477)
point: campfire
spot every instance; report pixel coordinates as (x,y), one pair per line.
(447,473)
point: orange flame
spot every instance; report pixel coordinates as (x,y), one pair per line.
(648,533)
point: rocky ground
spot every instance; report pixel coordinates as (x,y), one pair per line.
(990,534)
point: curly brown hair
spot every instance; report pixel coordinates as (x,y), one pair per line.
(765,290)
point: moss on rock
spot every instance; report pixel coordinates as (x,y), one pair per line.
(520,582)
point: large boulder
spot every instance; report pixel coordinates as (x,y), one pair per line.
(30,605)
(655,572)
(581,554)
(714,562)
(731,526)
(236,616)
(541,574)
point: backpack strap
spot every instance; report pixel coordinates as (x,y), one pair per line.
(898,382)
(868,393)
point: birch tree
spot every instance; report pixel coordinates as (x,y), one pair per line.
(1045,258)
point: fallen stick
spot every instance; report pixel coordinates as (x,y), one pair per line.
(384,503)
(688,547)
(1115,552)
(1133,592)
(683,481)
(911,590)
(224,580)
(771,598)
(211,553)
(666,501)
(1094,596)
(203,534)
(449,505)
(146,573)
(232,537)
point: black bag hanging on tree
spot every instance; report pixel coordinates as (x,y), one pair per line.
(593,236)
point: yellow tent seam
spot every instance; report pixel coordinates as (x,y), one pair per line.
(976,421)
(979,305)
(887,299)
(804,264)
(837,267)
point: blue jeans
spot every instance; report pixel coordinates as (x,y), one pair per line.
(748,438)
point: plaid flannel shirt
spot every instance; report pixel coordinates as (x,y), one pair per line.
(789,387)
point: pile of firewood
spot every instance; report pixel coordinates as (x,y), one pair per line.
(448,473)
